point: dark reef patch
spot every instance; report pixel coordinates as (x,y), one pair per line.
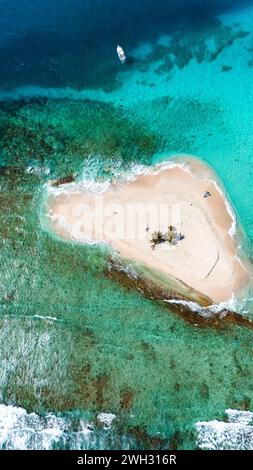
(73,43)
(56,136)
(177,123)
(205,44)
(100,384)
(126,399)
(148,350)
(204,391)
(151,290)
(64,180)
(227,68)
(150,442)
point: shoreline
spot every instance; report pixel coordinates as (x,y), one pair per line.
(206,260)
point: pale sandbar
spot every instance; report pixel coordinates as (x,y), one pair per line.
(126,214)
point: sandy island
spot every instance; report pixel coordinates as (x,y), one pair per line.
(126,215)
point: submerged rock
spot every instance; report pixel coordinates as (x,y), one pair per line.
(64,180)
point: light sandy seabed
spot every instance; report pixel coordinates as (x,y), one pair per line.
(206,259)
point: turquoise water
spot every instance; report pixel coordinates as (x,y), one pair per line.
(74,341)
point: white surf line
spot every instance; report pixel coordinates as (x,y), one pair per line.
(106,419)
(41,317)
(91,186)
(205,311)
(235,434)
(232,230)
(23,430)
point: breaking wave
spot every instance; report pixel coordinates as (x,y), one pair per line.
(210,311)
(98,174)
(235,434)
(20,430)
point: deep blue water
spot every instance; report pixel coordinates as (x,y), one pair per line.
(60,43)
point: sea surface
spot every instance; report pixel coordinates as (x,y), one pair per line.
(86,361)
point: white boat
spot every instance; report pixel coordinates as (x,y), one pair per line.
(121,54)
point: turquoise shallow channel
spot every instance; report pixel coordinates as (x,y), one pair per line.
(74,342)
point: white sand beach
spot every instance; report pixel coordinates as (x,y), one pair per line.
(126,215)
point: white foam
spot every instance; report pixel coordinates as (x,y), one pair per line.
(128,269)
(232,304)
(236,434)
(36,170)
(106,419)
(87,186)
(21,430)
(193,306)
(41,317)
(89,182)
(232,230)
(239,416)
